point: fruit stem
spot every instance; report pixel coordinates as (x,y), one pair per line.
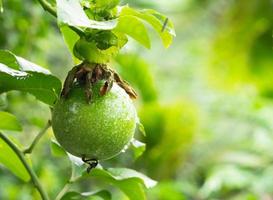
(52,10)
(37,138)
(31,173)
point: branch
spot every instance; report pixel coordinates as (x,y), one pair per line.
(37,138)
(48,7)
(52,10)
(31,173)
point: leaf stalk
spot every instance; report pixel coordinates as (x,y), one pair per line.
(37,138)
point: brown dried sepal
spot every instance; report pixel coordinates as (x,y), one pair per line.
(87,74)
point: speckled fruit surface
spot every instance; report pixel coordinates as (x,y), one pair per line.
(98,130)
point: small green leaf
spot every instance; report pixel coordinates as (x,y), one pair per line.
(10,160)
(129,181)
(56,149)
(9,122)
(85,50)
(138,148)
(98,195)
(106,4)
(71,13)
(105,39)
(132,26)
(17,73)
(156,20)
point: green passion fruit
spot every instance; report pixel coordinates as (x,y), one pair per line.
(97,130)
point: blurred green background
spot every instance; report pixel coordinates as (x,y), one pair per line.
(206,102)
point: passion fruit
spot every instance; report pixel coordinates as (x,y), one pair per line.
(97,130)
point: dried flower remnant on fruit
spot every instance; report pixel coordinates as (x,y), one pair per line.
(87,75)
(95,118)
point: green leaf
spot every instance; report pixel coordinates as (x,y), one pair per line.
(129,21)
(17,73)
(56,149)
(131,182)
(138,148)
(10,160)
(70,38)
(106,4)
(98,195)
(132,188)
(105,39)
(71,13)
(9,122)
(156,20)
(132,26)
(85,50)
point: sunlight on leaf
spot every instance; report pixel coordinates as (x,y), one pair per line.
(133,27)
(129,181)
(156,20)
(56,149)
(9,122)
(98,195)
(17,73)
(70,12)
(10,160)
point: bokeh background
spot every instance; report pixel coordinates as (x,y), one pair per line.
(206,102)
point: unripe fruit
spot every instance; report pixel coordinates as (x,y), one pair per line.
(98,130)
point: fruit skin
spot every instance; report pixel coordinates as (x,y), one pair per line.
(98,130)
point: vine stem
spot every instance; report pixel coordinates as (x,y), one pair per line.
(48,7)
(52,10)
(30,171)
(37,138)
